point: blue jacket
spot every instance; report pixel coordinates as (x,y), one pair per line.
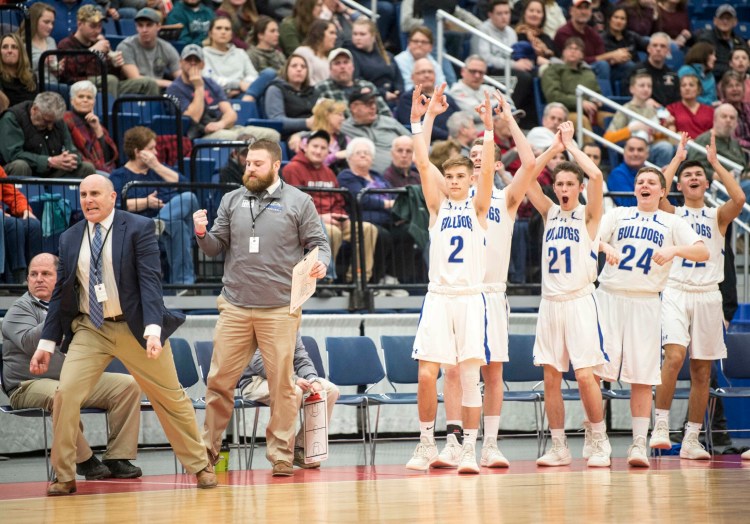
(136,263)
(622,178)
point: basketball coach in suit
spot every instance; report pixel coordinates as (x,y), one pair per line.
(108,303)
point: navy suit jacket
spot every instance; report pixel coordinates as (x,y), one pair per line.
(136,264)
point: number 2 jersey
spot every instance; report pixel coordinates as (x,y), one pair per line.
(636,236)
(569,256)
(457,246)
(700,275)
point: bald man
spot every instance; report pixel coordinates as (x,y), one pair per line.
(107,303)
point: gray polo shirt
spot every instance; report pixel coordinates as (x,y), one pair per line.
(22,329)
(286,224)
(160,62)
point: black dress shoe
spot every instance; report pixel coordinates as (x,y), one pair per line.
(93,469)
(123,469)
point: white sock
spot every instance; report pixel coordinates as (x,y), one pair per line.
(470,436)
(640,426)
(599,427)
(491,427)
(558,433)
(662,414)
(692,427)
(427,430)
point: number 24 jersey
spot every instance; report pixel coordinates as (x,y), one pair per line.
(636,236)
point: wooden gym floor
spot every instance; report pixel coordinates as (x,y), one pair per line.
(672,490)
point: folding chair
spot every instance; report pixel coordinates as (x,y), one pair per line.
(204,350)
(520,368)
(354,361)
(400,368)
(735,367)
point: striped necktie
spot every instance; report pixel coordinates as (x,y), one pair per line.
(96,309)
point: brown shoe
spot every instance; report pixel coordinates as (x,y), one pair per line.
(61,488)
(206,478)
(282,468)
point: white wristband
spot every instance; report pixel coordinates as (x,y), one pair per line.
(489,135)
(416,128)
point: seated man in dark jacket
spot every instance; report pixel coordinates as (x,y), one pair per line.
(36,140)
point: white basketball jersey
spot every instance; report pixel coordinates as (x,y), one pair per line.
(636,235)
(499,235)
(457,246)
(705,223)
(569,256)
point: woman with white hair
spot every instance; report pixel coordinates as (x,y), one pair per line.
(87,132)
(376,209)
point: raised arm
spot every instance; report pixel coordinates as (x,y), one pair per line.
(594,190)
(528,171)
(732,208)
(486,176)
(670,171)
(432,194)
(538,199)
(437,106)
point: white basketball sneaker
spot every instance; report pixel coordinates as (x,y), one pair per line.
(660,436)
(450,454)
(601,450)
(692,449)
(468,462)
(492,457)
(746,455)
(587,431)
(424,455)
(559,455)
(637,453)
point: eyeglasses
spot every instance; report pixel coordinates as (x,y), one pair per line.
(476,72)
(420,42)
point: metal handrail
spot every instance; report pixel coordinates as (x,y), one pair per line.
(442,16)
(372,12)
(487,79)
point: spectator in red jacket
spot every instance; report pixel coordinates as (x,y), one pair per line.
(307,169)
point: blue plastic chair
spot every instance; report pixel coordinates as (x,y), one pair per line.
(735,367)
(313,351)
(520,368)
(354,361)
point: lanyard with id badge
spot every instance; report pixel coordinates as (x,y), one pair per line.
(254,240)
(99,288)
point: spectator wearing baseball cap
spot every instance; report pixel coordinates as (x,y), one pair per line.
(342,82)
(366,122)
(146,55)
(88,36)
(723,37)
(204,102)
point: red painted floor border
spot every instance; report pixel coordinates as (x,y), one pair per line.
(27,490)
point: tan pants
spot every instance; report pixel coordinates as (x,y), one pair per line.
(91,350)
(238,332)
(257,391)
(370,235)
(118,394)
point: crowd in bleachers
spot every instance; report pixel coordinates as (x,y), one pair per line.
(306,72)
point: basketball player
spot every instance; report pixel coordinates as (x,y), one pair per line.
(501,217)
(567,329)
(451,328)
(640,243)
(691,310)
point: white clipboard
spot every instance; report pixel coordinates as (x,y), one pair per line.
(303,285)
